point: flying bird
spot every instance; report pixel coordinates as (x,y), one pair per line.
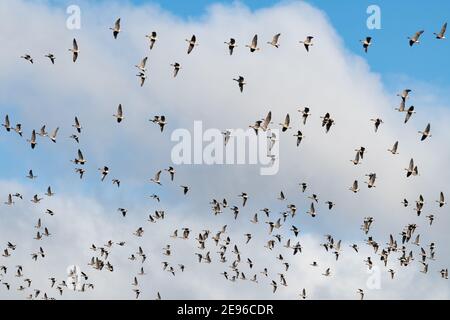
(192,43)
(366,43)
(307,42)
(274,41)
(415,38)
(116,29)
(441,34)
(253,46)
(75,51)
(152,38)
(231,45)
(119,114)
(240,82)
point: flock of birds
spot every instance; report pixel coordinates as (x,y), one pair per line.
(241,268)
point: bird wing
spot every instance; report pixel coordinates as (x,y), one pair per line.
(287,120)
(275,38)
(75,44)
(444,28)
(255,40)
(417,35)
(143,62)
(267,121)
(55,132)
(119,110)
(117,24)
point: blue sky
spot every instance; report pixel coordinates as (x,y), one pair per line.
(390,54)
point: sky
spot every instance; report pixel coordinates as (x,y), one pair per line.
(336,76)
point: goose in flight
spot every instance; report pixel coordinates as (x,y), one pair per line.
(36,199)
(299,136)
(192,43)
(80,171)
(42,132)
(411,170)
(171,171)
(32,140)
(377,122)
(160,120)
(119,114)
(75,51)
(54,134)
(394,148)
(104,171)
(244,197)
(231,45)
(152,38)
(327,273)
(274,41)
(49,192)
(409,113)
(28,58)
(415,38)
(327,122)
(312,210)
(117,182)
(18,129)
(141,66)
(366,43)
(77,125)
(330,204)
(356,161)
(226,136)
(254,45)
(241,83)
(116,29)
(176,67)
(307,42)
(305,113)
(7,124)
(31,175)
(426,133)
(361,150)
(274,286)
(51,56)
(361,293)
(142,77)
(354,188)
(303,294)
(123,211)
(441,200)
(156,178)
(80,159)
(371,182)
(9,202)
(285,125)
(441,34)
